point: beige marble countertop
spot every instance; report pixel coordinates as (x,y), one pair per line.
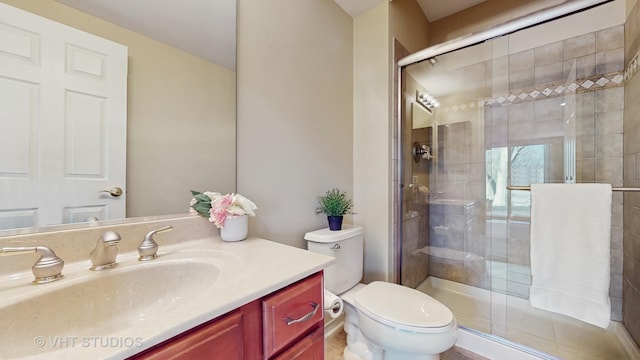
(249,270)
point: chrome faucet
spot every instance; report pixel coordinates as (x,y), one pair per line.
(104,255)
(48,268)
(148,248)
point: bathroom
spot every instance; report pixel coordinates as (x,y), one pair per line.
(346,69)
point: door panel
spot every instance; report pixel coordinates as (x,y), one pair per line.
(63,122)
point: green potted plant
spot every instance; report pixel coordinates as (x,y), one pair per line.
(335,204)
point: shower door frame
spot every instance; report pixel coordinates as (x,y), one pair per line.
(535,18)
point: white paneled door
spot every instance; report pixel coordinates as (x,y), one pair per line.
(63,118)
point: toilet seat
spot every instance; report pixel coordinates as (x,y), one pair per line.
(403,308)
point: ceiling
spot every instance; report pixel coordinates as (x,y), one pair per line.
(433,9)
(357,7)
(207,28)
(438,9)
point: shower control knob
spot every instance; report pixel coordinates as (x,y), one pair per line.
(421,152)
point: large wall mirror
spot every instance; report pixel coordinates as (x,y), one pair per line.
(181,95)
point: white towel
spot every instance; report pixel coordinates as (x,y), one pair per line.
(570,246)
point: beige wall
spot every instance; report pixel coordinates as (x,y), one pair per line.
(314,112)
(295,112)
(181,116)
(374,162)
(372,140)
(408,24)
(629,5)
(482,17)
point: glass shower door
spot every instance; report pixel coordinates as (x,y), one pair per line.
(446,228)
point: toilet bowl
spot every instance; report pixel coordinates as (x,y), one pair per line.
(404,323)
(382,320)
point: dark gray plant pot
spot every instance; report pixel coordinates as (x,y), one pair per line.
(335,222)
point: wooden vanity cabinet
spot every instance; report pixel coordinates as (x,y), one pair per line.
(307,348)
(287,324)
(234,336)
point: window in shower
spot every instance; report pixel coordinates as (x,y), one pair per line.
(516,165)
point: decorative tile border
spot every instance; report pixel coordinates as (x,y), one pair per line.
(549,91)
(593,83)
(632,67)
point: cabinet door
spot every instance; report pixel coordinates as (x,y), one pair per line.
(311,347)
(234,336)
(291,313)
(221,339)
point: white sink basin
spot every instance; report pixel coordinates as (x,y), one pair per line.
(84,307)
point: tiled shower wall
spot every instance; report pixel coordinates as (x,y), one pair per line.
(527,106)
(415,209)
(416,212)
(457,211)
(631,282)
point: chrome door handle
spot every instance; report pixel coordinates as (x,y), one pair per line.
(115,192)
(291,321)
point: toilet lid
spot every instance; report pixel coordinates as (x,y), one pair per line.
(402,307)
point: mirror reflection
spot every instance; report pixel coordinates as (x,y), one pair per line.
(180,117)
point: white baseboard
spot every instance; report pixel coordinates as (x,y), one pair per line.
(628,344)
(331,325)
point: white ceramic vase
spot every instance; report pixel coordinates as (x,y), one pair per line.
(235,229)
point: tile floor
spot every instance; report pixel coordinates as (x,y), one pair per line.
(334,345)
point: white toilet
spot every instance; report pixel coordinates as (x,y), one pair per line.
(382,320)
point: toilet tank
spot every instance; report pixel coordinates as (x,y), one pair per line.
(346,246)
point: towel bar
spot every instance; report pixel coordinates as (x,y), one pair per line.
(528,188)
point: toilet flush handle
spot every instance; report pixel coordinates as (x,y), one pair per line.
(335,247)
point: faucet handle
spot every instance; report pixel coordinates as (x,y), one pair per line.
(148,248)
(104,254)
(110,238)
(49,266)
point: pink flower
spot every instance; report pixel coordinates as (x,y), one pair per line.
(219,207)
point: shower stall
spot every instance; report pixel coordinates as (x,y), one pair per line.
(540,103)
